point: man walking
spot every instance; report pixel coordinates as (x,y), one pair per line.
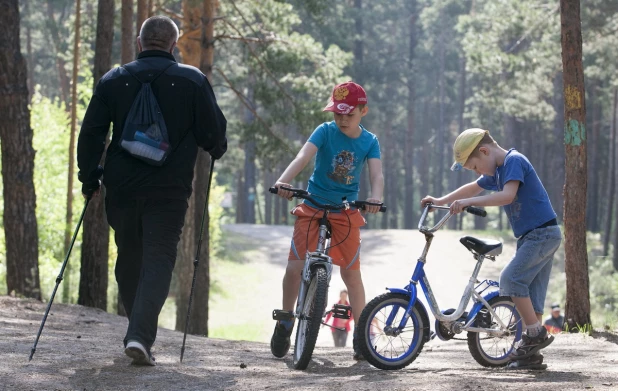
(146,204)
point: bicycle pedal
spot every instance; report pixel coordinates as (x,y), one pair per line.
(283,315)
(342,311)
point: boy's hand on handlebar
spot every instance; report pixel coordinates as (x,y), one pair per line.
(459,205)
(430,200)
(284,193)
(373,208)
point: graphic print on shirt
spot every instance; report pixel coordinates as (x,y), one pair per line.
(343,165)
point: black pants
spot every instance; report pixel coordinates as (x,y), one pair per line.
(340,337)
(147,232)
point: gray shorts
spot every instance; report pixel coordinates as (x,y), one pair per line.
(527,274)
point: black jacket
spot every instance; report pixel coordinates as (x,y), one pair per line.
(191,115)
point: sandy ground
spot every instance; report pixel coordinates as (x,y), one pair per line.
(81,348)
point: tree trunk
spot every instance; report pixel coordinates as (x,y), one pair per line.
(95,247)
(199,53)
(141,15)
(611,180)
(268,197)
(576,256)
(20,225)
(615,145)
(30,58)
(66,288)
(410,206)
(63,79)
(128,38)
(461,106)
(556,181)
(593,210)
(247,191)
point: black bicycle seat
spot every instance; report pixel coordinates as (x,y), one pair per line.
(482,246)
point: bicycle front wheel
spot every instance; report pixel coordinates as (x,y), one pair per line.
(383,343)
(311,318)
(494,351)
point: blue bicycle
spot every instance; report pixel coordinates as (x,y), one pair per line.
(394,326)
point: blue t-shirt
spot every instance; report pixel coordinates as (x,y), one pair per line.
(531,206)
(339,162)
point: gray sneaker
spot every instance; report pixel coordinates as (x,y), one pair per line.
(534,362)
(139,354)
(528,346)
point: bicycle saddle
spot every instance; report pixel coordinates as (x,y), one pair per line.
(487,247)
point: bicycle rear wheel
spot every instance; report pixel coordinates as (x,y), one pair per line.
(311,319)
(494,351)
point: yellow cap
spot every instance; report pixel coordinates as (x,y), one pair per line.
(465,144)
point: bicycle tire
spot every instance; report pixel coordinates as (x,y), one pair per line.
(499,348)
(372,342)
(313,307)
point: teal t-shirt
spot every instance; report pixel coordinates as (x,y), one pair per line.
(339,162)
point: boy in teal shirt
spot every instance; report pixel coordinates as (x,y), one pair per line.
(340,148)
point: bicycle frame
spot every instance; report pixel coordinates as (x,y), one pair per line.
(419,277)
(317,257)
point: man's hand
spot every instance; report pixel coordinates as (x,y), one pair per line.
(91,186)
(90,189)
(373,208)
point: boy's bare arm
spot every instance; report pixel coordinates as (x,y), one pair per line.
(499,198)
(466,191)
(376,180)
(304,156)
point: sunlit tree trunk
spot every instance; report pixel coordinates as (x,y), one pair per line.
(576,256)
(19,222)
(95,247)
(199,53)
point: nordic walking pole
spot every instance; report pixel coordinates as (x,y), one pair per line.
(196,262)
(58,280)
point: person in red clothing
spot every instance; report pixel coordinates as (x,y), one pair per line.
(340,333)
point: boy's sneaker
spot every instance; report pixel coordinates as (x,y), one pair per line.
(139,354)
(528,345)
(280,341)
(533,362)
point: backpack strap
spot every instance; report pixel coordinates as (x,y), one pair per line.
(155,78)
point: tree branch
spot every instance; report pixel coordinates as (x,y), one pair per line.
(246,103)
(262,65)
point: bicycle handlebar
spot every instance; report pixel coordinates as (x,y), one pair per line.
(300,193)
(470,209)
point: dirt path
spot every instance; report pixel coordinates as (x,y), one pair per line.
(81,348)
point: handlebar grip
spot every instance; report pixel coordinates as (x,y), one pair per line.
(383,208)
(273,190)
(476,211)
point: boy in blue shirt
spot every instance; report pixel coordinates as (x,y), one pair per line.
(533,220)
(341,148)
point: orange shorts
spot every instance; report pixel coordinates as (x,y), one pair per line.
(345,251)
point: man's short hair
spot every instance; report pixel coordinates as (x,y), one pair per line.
(158,33)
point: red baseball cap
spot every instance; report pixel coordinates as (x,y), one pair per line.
(346,96)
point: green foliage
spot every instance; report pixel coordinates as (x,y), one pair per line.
(50,125)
